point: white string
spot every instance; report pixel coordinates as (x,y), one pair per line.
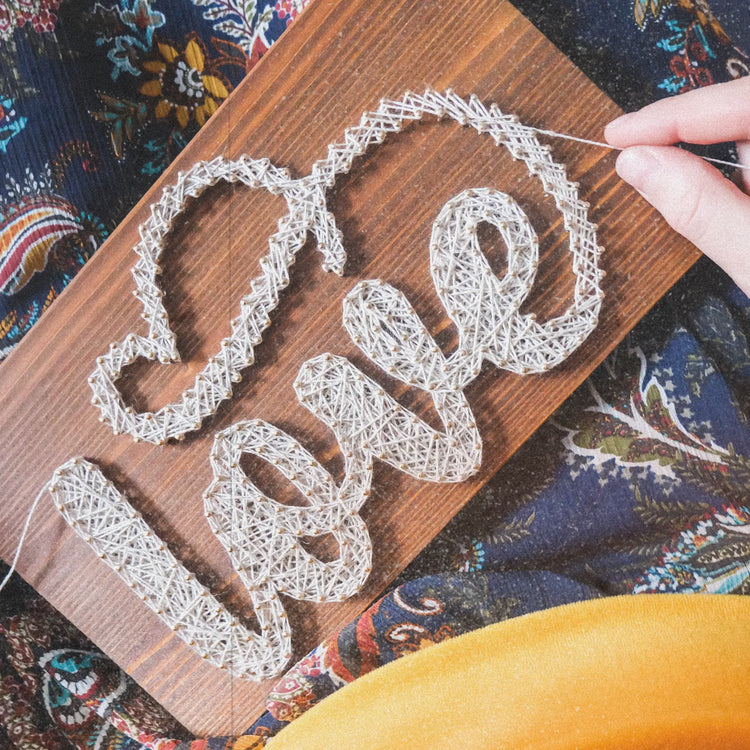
(265,539)
(308,212)
(600,144)
(23,536)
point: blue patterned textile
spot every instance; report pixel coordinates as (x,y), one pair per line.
(96,99)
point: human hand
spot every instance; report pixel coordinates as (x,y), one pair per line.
(694,197)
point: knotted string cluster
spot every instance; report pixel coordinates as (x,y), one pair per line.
(264,539)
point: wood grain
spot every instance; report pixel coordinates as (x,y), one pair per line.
(336,61)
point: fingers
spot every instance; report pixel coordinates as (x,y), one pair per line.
(697,201)
(709,115)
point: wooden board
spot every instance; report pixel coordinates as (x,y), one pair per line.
(336,61)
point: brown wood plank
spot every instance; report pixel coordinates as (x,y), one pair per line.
(336,61)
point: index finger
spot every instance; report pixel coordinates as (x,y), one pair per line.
(709,115)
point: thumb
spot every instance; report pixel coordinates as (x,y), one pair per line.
(697,201)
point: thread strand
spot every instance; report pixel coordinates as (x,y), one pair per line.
(22,538)
(601,144)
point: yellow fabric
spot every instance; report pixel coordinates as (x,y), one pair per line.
(645,671)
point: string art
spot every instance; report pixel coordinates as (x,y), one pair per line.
(264,538)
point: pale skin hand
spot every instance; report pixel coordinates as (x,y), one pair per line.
(693,196)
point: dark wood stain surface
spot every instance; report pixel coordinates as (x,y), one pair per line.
(336,61)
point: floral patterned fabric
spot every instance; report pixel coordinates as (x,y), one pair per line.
(96,99)
(637,484)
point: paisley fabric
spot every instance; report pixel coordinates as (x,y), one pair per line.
(637,485)
(58,692)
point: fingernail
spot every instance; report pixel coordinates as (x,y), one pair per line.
(636,165)
(616,126)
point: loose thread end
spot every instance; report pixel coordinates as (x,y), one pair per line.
(601,144)
(22,538)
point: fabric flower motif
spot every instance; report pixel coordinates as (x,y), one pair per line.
(39,13)
(469,558)
(10,123)
(124,55)
(142,18)
(183,84)
(288,9)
